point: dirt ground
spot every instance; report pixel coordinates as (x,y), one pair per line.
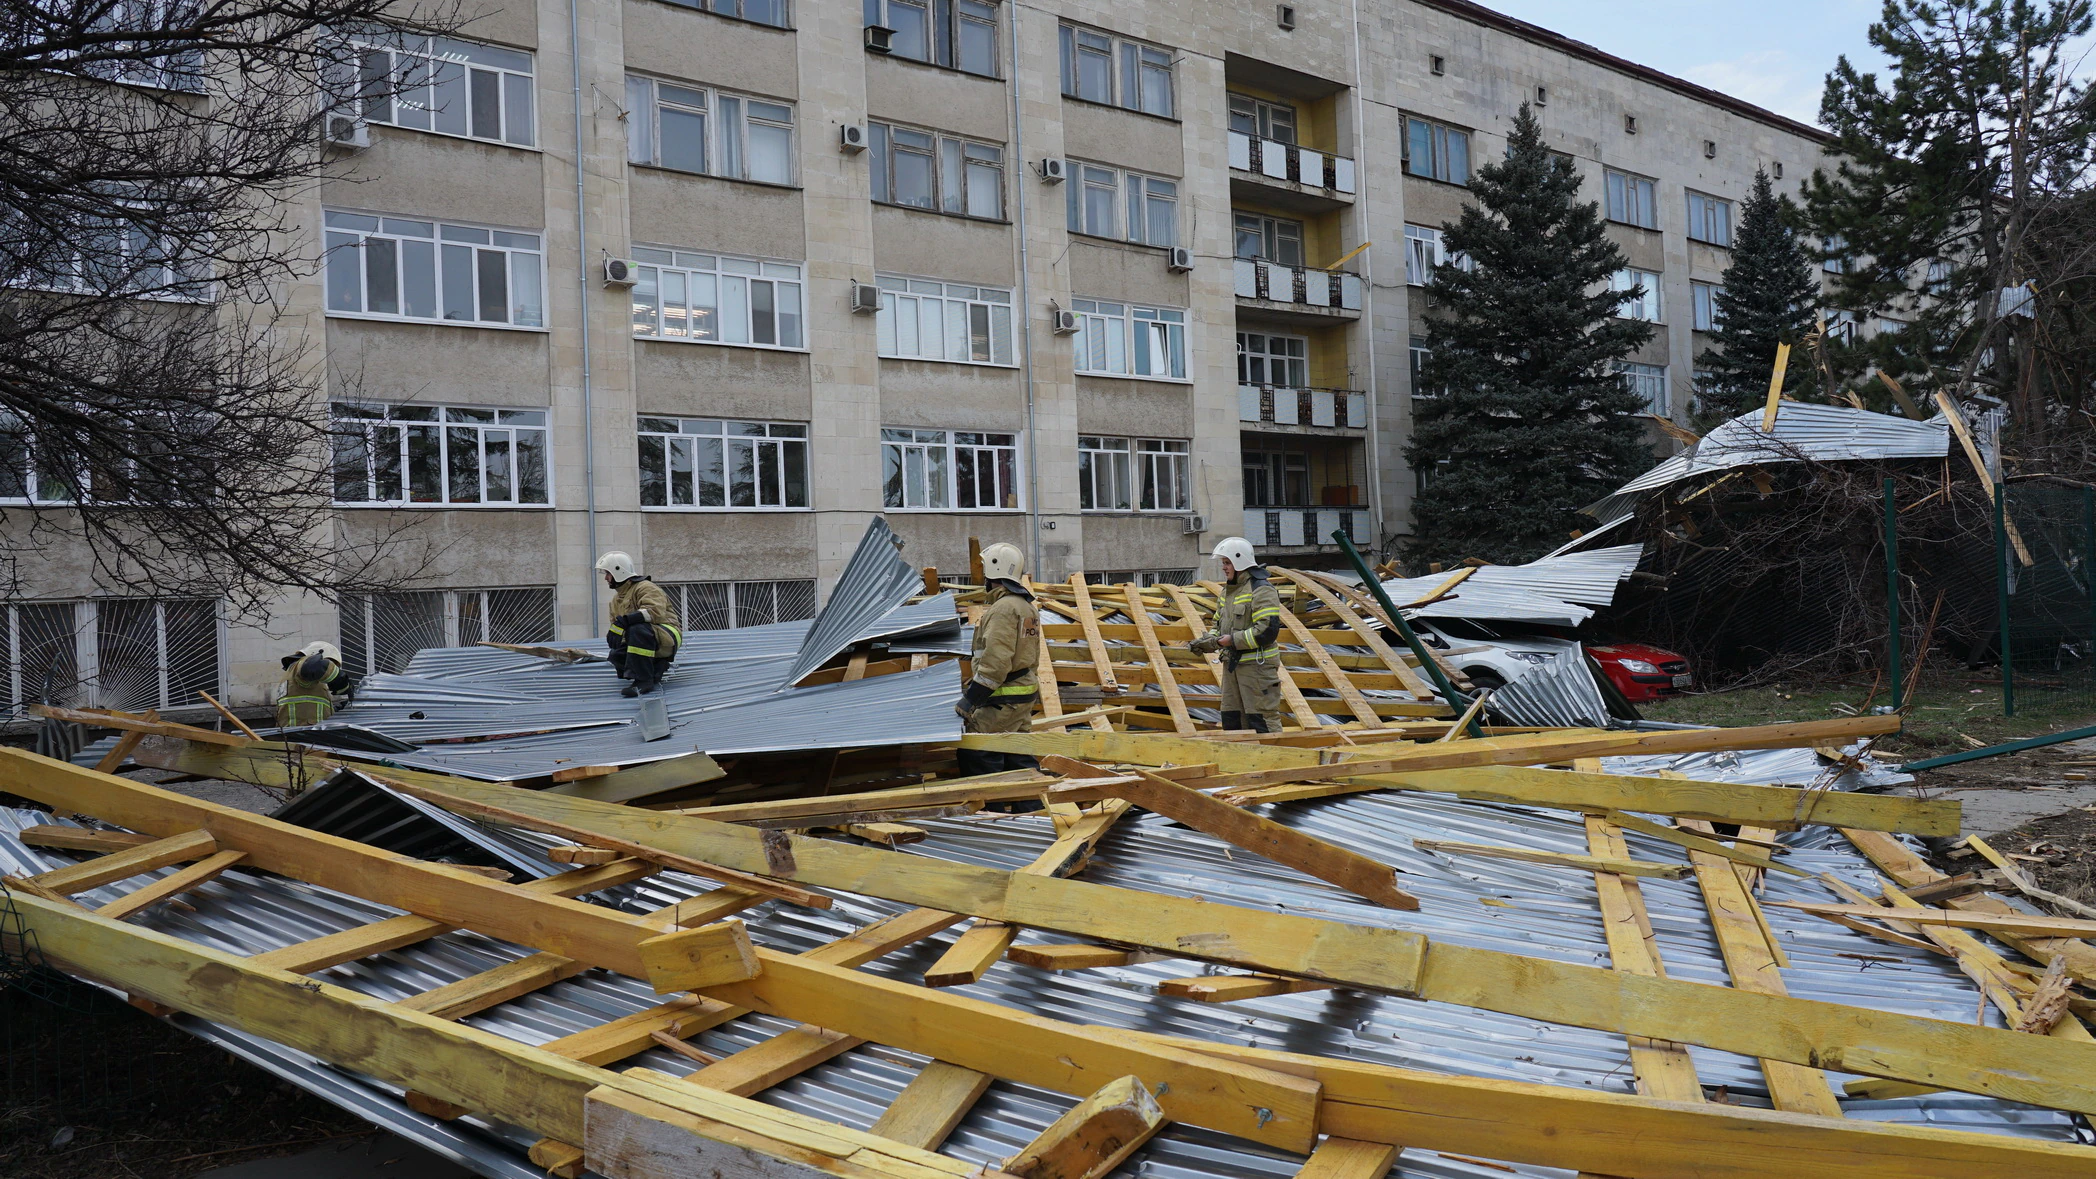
(2061,851)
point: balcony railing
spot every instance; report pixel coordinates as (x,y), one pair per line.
(1296,527)
(1344,408)
(1310,287)
(1285,161)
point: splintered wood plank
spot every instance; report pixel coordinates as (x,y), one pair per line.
(1751,960)
(1229,988)
(1909,871)
(1139,614)
(1663,1069)
(932,1105)
(1334,677)
(118,753)
(80,838)
(1088,618)
(174,883)
(1291,695)
(1348,1158)
(1092,1139)
(1617,865)
(119,865)
(975,951)
(1370,636)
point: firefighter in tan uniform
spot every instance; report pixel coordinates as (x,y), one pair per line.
(1001,692)
(314,686)
(645,631)
(1247,628)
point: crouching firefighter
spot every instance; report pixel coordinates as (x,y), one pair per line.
(645,633)
(1247,627)
(314,686)
(1000,695)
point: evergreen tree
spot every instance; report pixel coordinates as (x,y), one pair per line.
(1527,422)
(1770,296)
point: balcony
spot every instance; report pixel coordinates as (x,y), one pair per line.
(1297,291)
(1288,176)
(1298,528)
(1342,409)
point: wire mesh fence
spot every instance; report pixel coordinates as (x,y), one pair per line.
(2045,553)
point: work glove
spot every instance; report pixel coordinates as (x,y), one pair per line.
(630,620)
(973,696)
(1206,644)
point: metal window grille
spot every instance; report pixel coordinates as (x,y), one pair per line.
(127,654)
(728,605)
(382,632)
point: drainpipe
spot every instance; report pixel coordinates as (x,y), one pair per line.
(1375,433)
(1033,467)
(589,446)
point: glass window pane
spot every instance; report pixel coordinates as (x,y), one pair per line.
(913,178)
(493,268)
(708,464)
(705,306)
(517,108)
(487,104)
(979,332)
(654,485)
(734,318)
(1001,335)
(462,464)
(451,104)
(418,274)
(937,477)
(788,300)
(640,120)
(742,474)
(382,276)
(891,476)
(458,283)
(527,309)
(795,474)
(495,465)
(931,329)
(950,178)
(345,277)
(683,140)
(764,328)
(425,466)
(771,154)
(731,128)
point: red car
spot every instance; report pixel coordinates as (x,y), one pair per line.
(1641,671)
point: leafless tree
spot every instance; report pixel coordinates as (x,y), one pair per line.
(162,413)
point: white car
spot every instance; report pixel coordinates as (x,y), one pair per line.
(1490,658)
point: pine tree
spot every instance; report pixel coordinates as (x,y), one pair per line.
(1770,296)
(1528,422)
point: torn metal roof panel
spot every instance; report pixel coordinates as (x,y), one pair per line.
(875,581)
(1558,590)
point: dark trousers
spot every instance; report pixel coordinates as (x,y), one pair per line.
(643,670)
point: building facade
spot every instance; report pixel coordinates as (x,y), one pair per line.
(714,281)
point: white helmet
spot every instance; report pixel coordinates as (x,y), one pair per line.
(616,563)
(324,650)
(1003,560)
(1238,551)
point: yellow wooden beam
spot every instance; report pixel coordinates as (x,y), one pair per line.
(1092,1139)
(932,1104)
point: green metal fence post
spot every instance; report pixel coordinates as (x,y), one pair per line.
(1892,607)
(2001,597)
(2088,567)
(1427,662)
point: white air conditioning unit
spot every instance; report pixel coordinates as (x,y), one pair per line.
(1065,322)
(865,298)
(346,130)
(1179,259)
(851,137)
(1054,170)
(1193,524)
(621,272)
(880,39)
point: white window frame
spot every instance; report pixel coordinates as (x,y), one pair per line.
(1648,381)
(1139,75)
(374,431)
(1836,262)
(1120,339)
(733,10)
(98,256)
(450,246)
(1126,474)
(945,25)
(730,118)
(1439,162)
(734,318)
(1275,234)
(1709,219)
(1631,199)
(1650,307)
(770,450)
(1132,197)
(412,81)
(937,456)
(1262,119)
(960,170)
(21,473)
(926,319)
(1705,298)
(1258,347)
(1416,356)
(1424,250)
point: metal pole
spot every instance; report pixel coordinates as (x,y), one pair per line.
(2088,567)
(1892,608)
(1427,662)
(2001,597)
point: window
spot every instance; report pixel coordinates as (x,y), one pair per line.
(1141,577)
(124,653)
(1836,262)
(110,255)
(1100,197)
(1142,83)
(1841,327)
(1129,339)
(921,319)
(1649,382)
(1132,474)
(949,470)
(382,632)
(1418,355)
(1423,252)
(1437,152)
(134,63)
(1261,119)
(763,12)
(429,454)
(729,605)
(1640,294)
(926,170)
(29,474)
(1276,479)
(1271,239)
(1264,359)
(444,85)
(1936,281)
(958,34)
(397,268)
(716,299)
(1631,199)
(1709,219)
(711,132)
(704,463)
(1706,300)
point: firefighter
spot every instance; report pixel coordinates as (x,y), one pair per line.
(645,632)
(1247,626)
(999,696)
(313,680)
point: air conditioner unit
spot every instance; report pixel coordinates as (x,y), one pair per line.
(1065,322)
(345,130)
(851,137)
(880,39)
(1193,524)
(1054,170)
(1179,259)
(621,272)
(865,298)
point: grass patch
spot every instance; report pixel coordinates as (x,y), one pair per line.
(1952,711)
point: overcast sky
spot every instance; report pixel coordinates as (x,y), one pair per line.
(1775,53)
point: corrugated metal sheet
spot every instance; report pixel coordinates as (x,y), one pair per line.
(1559,692)
(875,581)
(1556,590)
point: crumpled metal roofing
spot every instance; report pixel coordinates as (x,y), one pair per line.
(1557,692)
(875,581)
(1536,910)
(1556,590)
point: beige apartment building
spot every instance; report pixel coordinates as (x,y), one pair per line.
(715,281)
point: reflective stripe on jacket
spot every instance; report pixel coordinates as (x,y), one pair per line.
(638,595)
(1250,613)
(1007,643)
